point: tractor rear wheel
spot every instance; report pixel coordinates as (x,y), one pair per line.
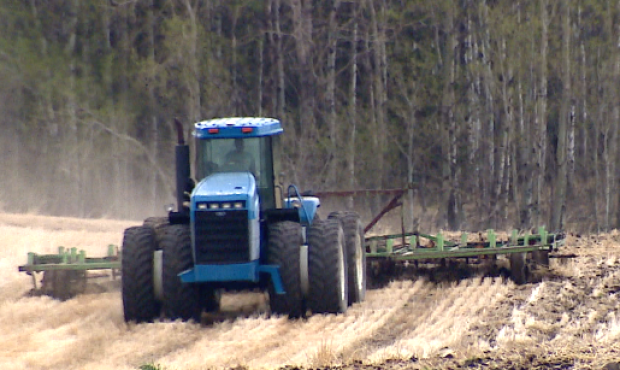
(139,303)
(158,224)
(180,300)
(519,270)
(356,254)
(284,250)
(327,267)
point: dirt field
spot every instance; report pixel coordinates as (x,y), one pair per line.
(570,319)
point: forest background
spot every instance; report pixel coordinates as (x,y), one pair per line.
(497,113)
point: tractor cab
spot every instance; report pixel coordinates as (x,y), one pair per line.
(233,145)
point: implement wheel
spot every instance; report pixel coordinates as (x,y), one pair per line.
(356,254)
(180,300)
(284,250)
(519,271)
(327,267)
(63,284)
(541,258)
(139,303)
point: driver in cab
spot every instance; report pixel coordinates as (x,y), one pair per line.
(238,159)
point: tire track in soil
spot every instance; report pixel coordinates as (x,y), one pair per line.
(438,321)
(415,317)
(448,325)
(231,343)
(324,337)
(386,332)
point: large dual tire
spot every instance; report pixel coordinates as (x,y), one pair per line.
(327,267)
(356,254)
(180,300)
(139,302)
(159,226)
(284,250)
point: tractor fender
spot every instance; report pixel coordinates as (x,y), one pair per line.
(307,208)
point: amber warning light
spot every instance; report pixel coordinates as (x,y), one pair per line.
(214,130)
(246,130)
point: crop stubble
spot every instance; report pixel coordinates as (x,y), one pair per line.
(571,318)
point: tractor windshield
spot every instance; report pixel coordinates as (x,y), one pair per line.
(251,154)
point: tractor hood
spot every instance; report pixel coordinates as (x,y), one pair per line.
(226,190)
(225,186)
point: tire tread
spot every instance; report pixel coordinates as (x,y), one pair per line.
(139,303)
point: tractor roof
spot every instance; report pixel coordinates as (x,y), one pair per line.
(235,127)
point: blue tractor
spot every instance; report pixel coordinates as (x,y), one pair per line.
(237,227)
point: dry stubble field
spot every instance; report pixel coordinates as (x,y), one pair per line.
(570,319)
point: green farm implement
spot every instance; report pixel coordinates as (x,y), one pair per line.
(408,246)
(65,273)
(522,250)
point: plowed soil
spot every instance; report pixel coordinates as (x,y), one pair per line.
(569,319)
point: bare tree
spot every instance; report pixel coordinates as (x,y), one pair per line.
(352,107)
(332,42)
(541,117)
(561,175)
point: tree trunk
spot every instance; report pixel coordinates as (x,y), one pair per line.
(611,129)
(332,43)
(154,137)
(261,68)
(450,195)
(352,110)
(302,32)
(280,64)
(193,77)
(71,158)
(379,91)
(561,173)
(235,101)
(541,119)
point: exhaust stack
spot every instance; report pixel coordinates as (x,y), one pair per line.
(182,165)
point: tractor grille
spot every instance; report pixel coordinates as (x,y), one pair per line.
(222,237)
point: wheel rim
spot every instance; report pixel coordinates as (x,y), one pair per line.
(359,268)
(342,274)
(158,284)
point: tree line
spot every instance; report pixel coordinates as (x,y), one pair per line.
(493,113)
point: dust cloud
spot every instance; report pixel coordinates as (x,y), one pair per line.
(572,313)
